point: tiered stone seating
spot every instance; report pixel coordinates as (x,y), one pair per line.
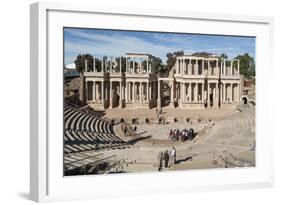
(89,163)
(78,120)
(234,130)
(85,132)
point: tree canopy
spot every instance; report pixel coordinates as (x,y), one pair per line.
(171,59)
(247,65)
(80,62)
(202,54)
(157,65)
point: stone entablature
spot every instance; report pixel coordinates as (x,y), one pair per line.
(130,81)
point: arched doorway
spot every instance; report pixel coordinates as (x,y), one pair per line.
(244,100)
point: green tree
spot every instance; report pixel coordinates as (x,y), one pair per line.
(222,57)
(202,54)
(80,64)
(123,63)
(171,59)
(247,65)
(156,64)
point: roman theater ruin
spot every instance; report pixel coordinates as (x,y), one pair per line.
(132,116)
(193,82)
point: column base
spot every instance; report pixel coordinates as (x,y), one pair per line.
(172,104)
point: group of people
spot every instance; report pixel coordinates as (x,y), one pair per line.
(129,130)
(168,157)
(178,135)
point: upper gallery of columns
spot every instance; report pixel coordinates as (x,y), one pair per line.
(105,65)
(130,64)
(138,64)
(194,66)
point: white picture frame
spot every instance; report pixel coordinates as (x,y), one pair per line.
(46,177)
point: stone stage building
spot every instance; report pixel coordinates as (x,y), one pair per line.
(193,82)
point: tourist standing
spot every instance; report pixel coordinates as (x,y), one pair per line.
(173,155)
(160,159)
(166,158)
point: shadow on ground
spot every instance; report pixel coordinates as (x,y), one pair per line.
(134,141)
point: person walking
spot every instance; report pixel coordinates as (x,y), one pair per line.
(173,155)
(125,131)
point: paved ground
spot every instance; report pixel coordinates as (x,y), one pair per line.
(170,112)
(227,141)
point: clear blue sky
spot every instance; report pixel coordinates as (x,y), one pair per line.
(116,43)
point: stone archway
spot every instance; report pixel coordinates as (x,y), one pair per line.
(245,100)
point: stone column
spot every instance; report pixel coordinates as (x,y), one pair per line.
(221,93)
(98,91)
(231,67)
(153,89)
(224,67)
(126,92)
(129,89)
(147,67)
(189,92)
(133,92)
(134,66)
(120,65)
(140,92)
(126,65)
(147,91)
(196,67)
(110,65)
(188,67)
(94,65)
(239,92)
(182,91)
(110,95)
(86,65)
(172,92)
(94,91)
(102,66)
(202,92)
(217,67)
(208,73)
(203,62)
(196,92)
(105,88)
(225,92)
(208,93)
(231,91)
(120,94)
(216,94)
(140,64)
(102,90)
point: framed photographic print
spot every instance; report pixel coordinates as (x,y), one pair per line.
(128,102)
